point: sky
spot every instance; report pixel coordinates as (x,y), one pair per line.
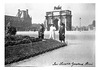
(85,11)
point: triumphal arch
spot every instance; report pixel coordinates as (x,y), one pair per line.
(57,17)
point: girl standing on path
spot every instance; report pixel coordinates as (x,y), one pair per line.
(52,32)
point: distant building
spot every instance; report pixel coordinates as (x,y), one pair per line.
(22,21)
(92,26)
(73,28)
(34,27)
(93,23)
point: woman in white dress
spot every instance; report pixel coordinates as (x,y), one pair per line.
(52,32)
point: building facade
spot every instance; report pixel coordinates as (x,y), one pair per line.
(21,21)
(57,17)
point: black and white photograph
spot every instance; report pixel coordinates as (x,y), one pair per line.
(55,34)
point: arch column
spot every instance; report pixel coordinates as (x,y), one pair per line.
(52,18)
(59,24)
(46,26)
(65,23)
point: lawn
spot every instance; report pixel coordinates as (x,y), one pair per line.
(21,51)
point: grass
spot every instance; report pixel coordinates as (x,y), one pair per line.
(20,52)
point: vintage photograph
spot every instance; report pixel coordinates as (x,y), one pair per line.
(55,34)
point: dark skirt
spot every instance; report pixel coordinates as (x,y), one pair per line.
(41,35)
(61,37)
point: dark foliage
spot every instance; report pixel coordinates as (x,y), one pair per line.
(11,40)
(11,30)
(19,52)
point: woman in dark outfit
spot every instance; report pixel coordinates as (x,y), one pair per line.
(62,33)
(41,32)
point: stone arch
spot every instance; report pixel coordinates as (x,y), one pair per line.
(55,22)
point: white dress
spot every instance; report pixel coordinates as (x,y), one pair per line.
(52,32)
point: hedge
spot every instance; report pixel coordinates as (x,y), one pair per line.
(19,52)
(11,40)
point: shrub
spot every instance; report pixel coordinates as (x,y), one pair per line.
(12,31)
(11,40)
(25,41)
